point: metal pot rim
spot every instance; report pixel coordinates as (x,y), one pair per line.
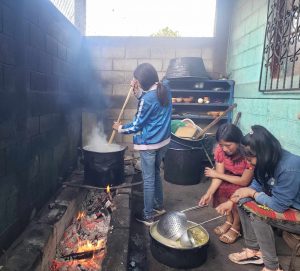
(123,148)
(183,248)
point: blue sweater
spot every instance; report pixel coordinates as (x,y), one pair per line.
(284,187)
(152,122)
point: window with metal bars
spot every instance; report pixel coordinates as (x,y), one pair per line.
(280,69)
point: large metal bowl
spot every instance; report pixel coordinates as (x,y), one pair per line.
(171,253)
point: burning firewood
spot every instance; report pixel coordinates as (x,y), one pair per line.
(82,255)
(83,244)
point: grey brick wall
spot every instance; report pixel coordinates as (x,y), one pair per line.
(40,117)
(113,60)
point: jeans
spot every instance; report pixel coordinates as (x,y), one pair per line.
(153,190)
(258,234)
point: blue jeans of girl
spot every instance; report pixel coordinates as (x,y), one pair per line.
(153,190)
(258,234)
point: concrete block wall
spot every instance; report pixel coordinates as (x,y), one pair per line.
(278,112)
(113,60)
(40,116)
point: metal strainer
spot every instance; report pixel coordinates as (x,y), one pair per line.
(172,225)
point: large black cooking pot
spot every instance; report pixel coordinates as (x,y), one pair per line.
(177,257)
(208,141)
(183,164)
(104,168)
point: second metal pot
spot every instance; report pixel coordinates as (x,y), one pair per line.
(177,257)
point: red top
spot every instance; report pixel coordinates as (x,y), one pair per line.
(234,165)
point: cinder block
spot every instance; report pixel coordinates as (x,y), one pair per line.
(32,58)
(1,20)
(51,83)
(31,12)
(191,52)
(62,51)
(2,162)
(128,77)
(46,123)
(1,79)
(57,66)
(36,36)
(9,78)
(33,126)
(8,20)
(137,52)
(166,63)
(208,65)
(129,113)
(94,51)
(127,138)
(7,50)
(51,45)
(121,89)
(124,64)
(162,53)
(157,63)
(37,81)
(45,63)
(106,89)
(112,113)
(34,167)
(113,52)
(207,53)
(102,64)
(112,77)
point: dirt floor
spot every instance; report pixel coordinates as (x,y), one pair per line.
(179,197)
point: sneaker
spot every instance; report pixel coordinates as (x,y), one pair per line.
(246,256)
(141,218)
(159,211)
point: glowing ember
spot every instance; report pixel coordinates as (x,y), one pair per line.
(87,245)
(83,244)
(107,189)
(80,215)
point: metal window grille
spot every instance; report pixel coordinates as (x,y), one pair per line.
(280,69)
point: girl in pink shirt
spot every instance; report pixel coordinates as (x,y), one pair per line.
(231,172)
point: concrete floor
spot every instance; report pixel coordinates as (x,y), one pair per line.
(178,197)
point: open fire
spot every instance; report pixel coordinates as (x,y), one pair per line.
(83,245)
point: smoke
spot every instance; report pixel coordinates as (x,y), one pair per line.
(97,141)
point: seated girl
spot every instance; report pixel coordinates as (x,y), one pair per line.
(276,194)
(231,172)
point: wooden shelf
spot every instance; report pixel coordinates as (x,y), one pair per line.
(200,91)
(219,92)
(202,105)
(195,117)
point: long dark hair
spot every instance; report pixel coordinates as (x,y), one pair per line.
(147,75)
(229,132)
(267,150)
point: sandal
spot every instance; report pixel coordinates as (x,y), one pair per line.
(230,236)
(246,256)
(223,228)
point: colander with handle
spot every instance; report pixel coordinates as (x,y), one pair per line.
(172,225)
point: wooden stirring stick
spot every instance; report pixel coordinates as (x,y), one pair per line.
(120,115)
